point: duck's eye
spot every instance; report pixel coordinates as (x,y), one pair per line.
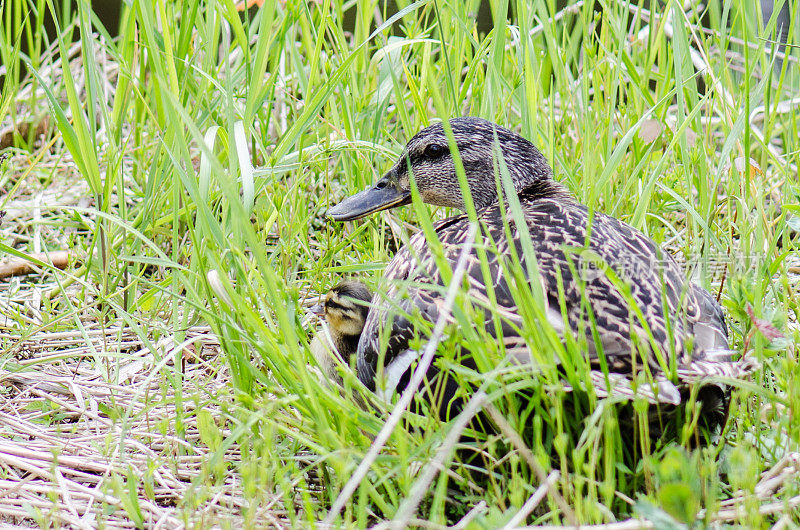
(435,150)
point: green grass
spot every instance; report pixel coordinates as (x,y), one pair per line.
(324,111)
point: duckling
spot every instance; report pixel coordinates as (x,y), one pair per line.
(674,324)
(344,310)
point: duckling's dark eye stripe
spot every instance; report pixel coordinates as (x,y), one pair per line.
(336,305)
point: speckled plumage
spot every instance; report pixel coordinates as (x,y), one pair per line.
(574,249)
(554,224)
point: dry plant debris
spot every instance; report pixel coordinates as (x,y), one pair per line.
(19,266)
(65,461)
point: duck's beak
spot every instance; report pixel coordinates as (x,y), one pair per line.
(317,309)
(384,195)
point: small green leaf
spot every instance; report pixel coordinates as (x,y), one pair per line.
(679,501)
(660,519)
(209,432)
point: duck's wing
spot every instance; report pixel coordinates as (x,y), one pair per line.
(612,283)
(573,286)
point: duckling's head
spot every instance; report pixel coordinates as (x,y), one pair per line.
(345,308)
(428,159)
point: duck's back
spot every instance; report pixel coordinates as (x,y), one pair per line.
(598,262)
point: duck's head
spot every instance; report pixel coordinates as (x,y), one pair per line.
(345,308)
(428,160)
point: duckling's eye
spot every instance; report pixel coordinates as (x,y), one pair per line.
(435,150)
(332,304)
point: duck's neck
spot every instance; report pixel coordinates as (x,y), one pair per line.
(530,173)
(346,344)
(545,189)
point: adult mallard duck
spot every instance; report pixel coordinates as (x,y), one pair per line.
(675,324)
(344,311)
